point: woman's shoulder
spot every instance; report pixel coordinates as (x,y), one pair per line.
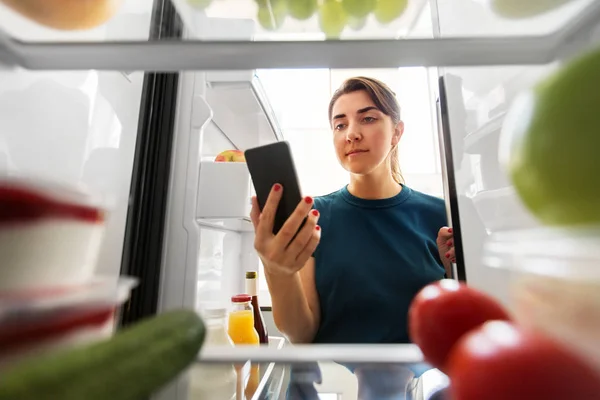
(427,200)
(327,200)
(429,205)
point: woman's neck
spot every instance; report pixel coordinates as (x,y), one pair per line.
(374,186)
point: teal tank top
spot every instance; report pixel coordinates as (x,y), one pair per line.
(373,258)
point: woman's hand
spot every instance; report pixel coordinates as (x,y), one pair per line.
(445,243)
(284,254)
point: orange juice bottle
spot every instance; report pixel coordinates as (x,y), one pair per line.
(253,381)
(241,321)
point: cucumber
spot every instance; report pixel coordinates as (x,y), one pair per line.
(132,365)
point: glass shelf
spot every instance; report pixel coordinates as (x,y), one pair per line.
(228,34)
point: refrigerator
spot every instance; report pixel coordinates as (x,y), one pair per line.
(138,107)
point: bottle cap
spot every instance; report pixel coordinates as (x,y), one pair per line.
(241,298)
(251,274)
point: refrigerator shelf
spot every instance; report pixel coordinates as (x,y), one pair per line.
(355,353)
(236,224)
(557,38)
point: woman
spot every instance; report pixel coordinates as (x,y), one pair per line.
(365,251)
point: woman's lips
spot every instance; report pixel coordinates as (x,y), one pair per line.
(356,152)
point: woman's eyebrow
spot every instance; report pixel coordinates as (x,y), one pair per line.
(361,111)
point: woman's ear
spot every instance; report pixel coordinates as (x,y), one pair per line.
(398,131)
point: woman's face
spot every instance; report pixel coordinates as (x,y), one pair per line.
(363,136)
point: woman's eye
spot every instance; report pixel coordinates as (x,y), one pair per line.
(369,119)
(339,127)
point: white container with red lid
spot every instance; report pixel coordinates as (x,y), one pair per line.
(50,234)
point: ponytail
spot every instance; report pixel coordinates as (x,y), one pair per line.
(395,166)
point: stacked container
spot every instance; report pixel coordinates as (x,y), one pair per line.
(50,296)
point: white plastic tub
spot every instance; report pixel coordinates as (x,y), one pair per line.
(50,234)
(555,283)
(45,321)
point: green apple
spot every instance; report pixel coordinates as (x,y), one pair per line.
(387,11)
(332,18)
(199,4)
(301,9)
(359,8)
(516,9)
(356,24)
(272,18)
(550,144)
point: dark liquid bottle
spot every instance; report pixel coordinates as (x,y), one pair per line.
(259,321)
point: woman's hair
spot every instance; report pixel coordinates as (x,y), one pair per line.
(385,100)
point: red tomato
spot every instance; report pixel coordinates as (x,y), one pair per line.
(444,311)
(499,361)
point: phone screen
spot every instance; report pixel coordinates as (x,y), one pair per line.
(270,164)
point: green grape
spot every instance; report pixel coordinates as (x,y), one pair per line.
(199,4)
(332,18)
(356,24)
(517,9)
(387,11)
(263,3)
(272,18)
(302,9)
(358,8)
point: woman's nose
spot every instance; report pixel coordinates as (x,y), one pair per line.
(352,135)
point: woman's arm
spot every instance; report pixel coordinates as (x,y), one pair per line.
(295,303)
(288,264)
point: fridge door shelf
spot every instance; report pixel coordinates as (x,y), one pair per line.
(501,209)
(553,39)
(236,224)
(241,109)
(224,191)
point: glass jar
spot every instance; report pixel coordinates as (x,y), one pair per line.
(241,321)
(214,381)
(215,320)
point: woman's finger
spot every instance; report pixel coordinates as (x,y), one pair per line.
(292,224)
(445,233)
(451,254)
(254,212)
(303,237)
(267,216)
(310,247)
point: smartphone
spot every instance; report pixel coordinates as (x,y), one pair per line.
(270,164)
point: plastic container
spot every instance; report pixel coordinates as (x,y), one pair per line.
(555,283)
(50,234)
(43,321)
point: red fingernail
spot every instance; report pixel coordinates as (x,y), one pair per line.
(315,213)
(449,230)
(454,260)
(277,187)
(318,228)
(308,199)
(447,255)
(449,243)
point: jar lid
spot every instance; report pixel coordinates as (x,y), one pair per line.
(217,312)
(241,298)
(251,275)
